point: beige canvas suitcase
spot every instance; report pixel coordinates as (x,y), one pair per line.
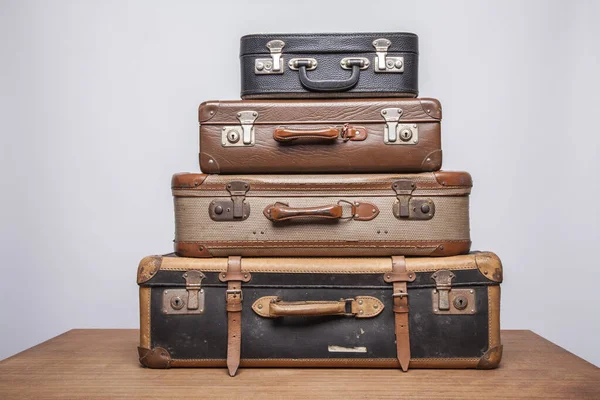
(424,214)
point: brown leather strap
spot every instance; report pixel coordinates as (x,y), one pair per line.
(234,298)
(399,277)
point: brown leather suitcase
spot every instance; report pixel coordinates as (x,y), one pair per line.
(424,214)
(320,136)
(387,312)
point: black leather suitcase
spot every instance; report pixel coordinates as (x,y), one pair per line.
(329,65)
(385,312)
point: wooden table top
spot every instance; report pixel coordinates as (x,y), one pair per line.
(102,363)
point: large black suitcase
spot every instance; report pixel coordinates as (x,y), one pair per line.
(329,65)
(386,312)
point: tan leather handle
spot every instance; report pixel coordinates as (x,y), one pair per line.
(360,211)
(359,307)
(345,132)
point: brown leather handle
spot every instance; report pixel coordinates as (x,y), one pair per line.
(283,134)
(345,132)
(359,211)
(282,212)
(360,307)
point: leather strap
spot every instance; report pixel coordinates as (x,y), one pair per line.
(234,298)
(399,277)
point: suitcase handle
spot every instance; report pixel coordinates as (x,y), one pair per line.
(359,307)
(361,211)
(345,132)
(329,85)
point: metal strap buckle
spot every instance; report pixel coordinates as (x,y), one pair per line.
(234,291)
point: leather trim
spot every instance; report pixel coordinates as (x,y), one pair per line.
(494,316)
(207,166)
(144,294)
(321,265)
(154,358)
(147,268)
(448,178)
(186,180)
(431,162)
(491,358)
(432,107)
(451,363)
(207,110)
(490,266)
(452,248)
(193,249)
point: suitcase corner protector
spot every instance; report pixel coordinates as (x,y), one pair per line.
(154,358)
(491,358)
(148,268)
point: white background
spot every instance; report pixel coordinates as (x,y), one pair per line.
(98,105)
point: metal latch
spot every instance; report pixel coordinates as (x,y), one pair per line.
(446,300)
(396,133)
(231,135)
(273,65)
(407,207)
(186,301)
(234,209)
(383,62)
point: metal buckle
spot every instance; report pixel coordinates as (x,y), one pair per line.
(383,63)
(234,291)
(273,65)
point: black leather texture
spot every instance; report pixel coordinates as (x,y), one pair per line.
(431,336)
(329,50)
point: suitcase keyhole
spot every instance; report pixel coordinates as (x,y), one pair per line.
(177,303)
(460,302)
(405,134)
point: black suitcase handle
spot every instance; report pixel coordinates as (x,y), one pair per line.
(329,85)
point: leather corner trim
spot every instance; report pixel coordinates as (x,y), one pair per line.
(491,358)
(207,110)
(148,268)
(208,164)
(157,357)
(489,265)
(432,107)
(432,161)
(450,178)
(452,248)
(185,180)
(196,250)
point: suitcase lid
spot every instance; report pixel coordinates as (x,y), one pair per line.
(269,112)
(477,268)
(319,43)
(443,183)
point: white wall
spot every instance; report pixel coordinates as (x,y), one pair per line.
(98,108)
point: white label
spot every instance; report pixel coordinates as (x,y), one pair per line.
(340,349)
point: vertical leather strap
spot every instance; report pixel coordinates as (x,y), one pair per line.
(399,277)
(234,297)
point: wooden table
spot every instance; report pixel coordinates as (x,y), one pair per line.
(102,363)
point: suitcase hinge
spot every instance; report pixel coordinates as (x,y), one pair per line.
(185,301)
(234,209)
(231,135)
(446,300)
(395,132)
(407,207)
(273,65)
(384,63)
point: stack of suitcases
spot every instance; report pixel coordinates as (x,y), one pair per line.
(322,232)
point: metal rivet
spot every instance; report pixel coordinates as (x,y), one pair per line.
(398,64)
(374,211)
(435,310)
(375,305)
(415,125)
(425,208)
(254,114)
(428,111)
(387,276)
(360,302)
(390,63)
(166,291)
(485,272)
(223,275)
(218,210)
(200,248)
(245,275)
(357,204)
(259,306)
(260,66)
(384,112)
(211,161)
(360,311)
(185,275)
(470,291)
(442,247)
